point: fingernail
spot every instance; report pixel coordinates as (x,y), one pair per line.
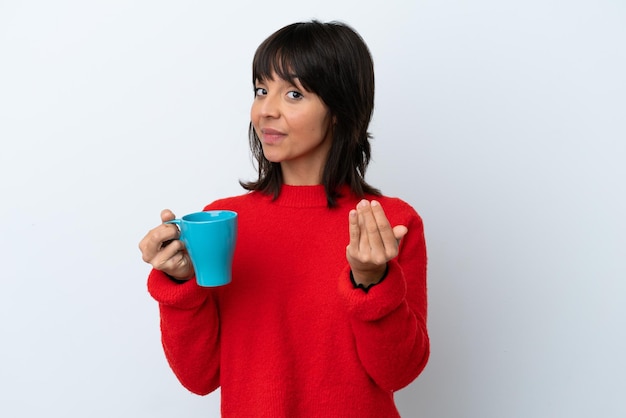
(362,203)
(375,203)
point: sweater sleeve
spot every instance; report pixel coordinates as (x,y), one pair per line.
(389,321)
(189,331)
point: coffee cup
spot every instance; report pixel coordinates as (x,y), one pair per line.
(209,239)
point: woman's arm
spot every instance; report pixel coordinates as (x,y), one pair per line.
(389,319)
(189,331)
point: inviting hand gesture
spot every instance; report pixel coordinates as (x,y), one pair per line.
(373,242)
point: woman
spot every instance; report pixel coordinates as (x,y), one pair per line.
(326,312)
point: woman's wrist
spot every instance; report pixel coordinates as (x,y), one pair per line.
(176,280)
(366,280)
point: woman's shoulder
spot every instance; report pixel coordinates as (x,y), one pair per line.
(236,202)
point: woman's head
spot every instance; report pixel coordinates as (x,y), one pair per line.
(332,61)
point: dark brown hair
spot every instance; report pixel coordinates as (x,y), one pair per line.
(332,61)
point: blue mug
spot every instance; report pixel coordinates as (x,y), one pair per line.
(210,239)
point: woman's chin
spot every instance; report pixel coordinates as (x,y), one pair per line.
(271,157)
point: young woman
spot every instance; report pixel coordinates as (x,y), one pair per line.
(326,312)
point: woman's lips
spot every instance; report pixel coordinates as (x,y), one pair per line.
(271,136)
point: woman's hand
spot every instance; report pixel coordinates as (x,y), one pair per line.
(373,242)
(164,251)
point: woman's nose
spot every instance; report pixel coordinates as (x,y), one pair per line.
(270,106)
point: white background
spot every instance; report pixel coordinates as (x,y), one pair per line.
(502,123)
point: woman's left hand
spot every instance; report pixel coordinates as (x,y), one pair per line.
(373,242)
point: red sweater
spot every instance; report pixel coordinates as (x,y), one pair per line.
(291,336)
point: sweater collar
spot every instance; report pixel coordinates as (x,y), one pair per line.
(306,196)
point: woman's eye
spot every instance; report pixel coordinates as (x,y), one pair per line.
(260,91)
(294,95)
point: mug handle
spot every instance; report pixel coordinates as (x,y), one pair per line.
(176,222)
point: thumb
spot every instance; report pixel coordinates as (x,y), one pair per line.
(399,231)
(167,215)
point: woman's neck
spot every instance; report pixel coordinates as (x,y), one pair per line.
(299,175)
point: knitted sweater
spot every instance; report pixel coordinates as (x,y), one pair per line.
(291,336)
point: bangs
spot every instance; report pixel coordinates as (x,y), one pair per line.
(272,63)
(289,55)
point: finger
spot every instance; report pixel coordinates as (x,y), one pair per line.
(167,215)
(156,239)
(174,232)
(354,230)
(167,252)
(399,231)
(370,235)
(171,258)
(166,233)
(384,229)
(175,263)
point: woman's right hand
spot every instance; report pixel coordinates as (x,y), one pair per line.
(164,251)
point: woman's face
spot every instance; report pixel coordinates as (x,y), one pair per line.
(295,129)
